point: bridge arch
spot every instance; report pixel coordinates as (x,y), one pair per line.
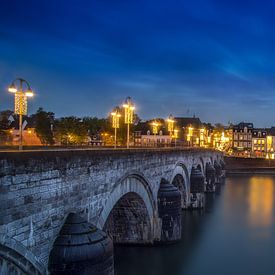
(128,215)
(180,178)
(199,163)
(15,258)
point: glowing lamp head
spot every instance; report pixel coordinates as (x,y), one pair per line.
(29,93)
(12,88)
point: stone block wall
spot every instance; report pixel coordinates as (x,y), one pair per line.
(39,188)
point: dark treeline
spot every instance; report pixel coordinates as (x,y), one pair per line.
(69,130)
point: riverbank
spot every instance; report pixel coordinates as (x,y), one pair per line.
(244,166)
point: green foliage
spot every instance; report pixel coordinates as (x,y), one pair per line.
(5,136)
(70,131)
(95,125)
(43,121)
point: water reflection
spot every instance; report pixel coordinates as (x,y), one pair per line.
(260,201)
(233,235)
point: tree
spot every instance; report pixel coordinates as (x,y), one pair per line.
(5,126)
(43,122)
(70,130)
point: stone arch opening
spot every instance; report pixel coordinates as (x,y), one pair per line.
(128,221)
(179,182)
(17,259)
(130,192)
(180,169)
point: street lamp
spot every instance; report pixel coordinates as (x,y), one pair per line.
(20,102)
(176,135)
(155,126)
(171,123)
(115,122)
(190,135)
(129,116)
(202,133)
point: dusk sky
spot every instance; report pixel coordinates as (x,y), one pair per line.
(215,59)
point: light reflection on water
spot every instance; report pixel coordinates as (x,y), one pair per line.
(260,201)
(234,235)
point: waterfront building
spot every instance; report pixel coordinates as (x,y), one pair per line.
(259,142)
(152,134)
(270,143)
(148,139)
(242,139)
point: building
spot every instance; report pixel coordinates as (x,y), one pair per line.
(144,136)
(149,140)
(242,139)
(193,132)
(259,142)
(29,137)
(270,143)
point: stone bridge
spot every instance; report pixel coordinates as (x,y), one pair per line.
(116,190)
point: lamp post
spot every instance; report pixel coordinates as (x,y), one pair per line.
(171,123)
(129,116)
(202,133)
(115,122)
(155,126)
(190,135)
(20,102)
(176,135)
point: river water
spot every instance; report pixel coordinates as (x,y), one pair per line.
(234,235)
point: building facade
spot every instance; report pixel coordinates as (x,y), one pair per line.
(150,140)
(259,142)
(242,139)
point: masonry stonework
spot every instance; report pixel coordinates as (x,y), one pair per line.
(39,189)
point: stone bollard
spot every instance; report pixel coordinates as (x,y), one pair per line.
(197,189)
(169,211)
(81,248)
(210,178)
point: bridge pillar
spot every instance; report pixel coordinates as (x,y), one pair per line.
(81,248)
(210,178)
(222,163)
(218,169)
(169,211)
(197,188)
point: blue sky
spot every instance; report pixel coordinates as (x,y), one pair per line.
(214,58)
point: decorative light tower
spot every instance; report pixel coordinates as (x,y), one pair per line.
(171,123)
(155,126)
(115,122)
(129,116)
(176,135)
(190,135)
(21,102)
